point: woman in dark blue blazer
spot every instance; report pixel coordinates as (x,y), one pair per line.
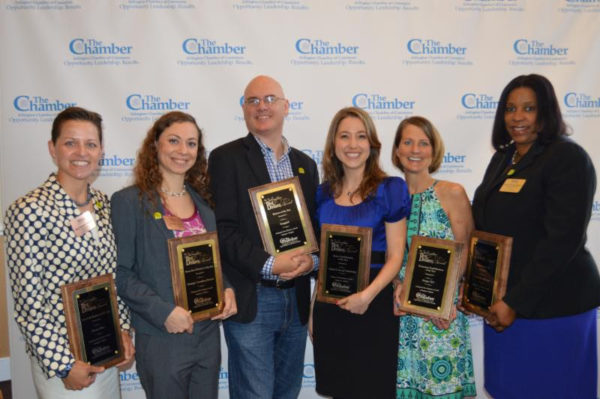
(540,339)
(176,357)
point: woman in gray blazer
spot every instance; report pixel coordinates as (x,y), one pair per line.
(176,357)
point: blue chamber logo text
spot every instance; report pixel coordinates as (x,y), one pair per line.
(316,155)
(114,165)
(477,106)
(282,5)
(308,376)
(454,163)
(37,108)
(148,107)
(435,52)
(311,51)
(596,210)
(296,111)
(539,53)
(581,105)
(223,377)
(490,6)
(209,52)
(580,6)
(95,52)
(383,107)
(130,381)
(377,5)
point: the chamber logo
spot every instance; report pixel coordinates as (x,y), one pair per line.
(115,165)
(537,52)
(383,107)
(148,107)
(211,52)
(427,51)
(454,163)
(323,52)
(34,108)
(477,106)
(96,52)
(130,381)
(581,105)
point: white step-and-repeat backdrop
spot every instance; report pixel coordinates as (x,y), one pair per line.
(132,60)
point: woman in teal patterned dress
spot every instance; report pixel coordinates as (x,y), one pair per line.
(434,356)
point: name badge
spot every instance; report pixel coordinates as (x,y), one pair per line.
(83,223)
(173,222)
(512,185)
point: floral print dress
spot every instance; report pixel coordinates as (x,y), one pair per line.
(432,363)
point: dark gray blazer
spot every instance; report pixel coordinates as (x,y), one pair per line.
(143,274)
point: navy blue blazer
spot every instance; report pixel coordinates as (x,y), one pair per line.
(552,274)
(143,274)
(234,168)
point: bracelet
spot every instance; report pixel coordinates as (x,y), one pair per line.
(64,372)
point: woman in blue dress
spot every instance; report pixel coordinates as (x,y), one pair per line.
(355,340)
(434,356)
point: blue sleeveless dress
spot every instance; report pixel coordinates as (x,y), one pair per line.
(432,363)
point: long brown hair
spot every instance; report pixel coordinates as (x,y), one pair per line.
(146,171)
(333,171)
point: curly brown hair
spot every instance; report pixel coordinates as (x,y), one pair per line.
(333,171)
(146,171)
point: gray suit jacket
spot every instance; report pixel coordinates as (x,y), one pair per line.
(143,274)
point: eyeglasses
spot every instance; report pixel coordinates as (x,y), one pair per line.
(268,100)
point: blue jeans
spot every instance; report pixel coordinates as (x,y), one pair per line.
(266,356)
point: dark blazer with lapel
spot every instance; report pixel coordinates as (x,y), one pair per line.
(143,273)
(552,274)
(234,168)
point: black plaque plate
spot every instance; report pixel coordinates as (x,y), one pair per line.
(196,274)
(92,318)
(345,261)
(487,271)
(282,217)
(431,277)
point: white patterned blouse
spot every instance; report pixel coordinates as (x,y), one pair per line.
(43,253)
